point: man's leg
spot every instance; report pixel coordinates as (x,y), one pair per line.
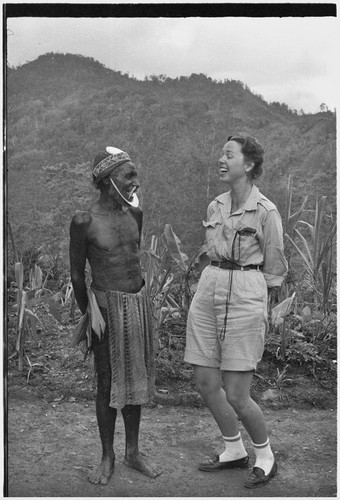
(106,416)
(131,415)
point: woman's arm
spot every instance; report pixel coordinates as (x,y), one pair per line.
(275,265)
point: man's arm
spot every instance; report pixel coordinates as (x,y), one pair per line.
(78,251)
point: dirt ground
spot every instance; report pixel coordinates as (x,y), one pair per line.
(53,438)
(52,446)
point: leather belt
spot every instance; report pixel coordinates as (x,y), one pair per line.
(228,264)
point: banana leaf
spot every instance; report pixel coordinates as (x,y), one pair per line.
(21,311)
(306,259)
(80,333)
(33,320)
(36,277)
(282,310)
(174,244)
(31,314)
(289,218)
(21,316)
(97,321)
(19,274)
(297,214)
(326,248)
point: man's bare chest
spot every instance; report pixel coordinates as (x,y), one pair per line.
(112,232)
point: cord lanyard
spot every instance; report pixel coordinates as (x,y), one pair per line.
(239,233)
(224,328)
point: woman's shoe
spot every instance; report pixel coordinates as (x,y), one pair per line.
(258,478)
(214,464)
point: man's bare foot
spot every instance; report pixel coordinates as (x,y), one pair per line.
(102,473)
(140,463)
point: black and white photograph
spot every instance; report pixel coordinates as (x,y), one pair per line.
(170,258)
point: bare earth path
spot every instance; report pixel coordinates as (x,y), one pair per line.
(53,446)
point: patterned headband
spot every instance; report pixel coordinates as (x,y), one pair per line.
(109,163)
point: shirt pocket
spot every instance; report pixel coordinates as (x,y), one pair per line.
(245,244)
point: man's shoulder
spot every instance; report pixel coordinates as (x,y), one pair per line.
(81,218)
(85,217)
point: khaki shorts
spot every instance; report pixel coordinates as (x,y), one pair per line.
(243,344)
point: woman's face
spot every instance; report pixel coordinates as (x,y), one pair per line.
(233,165)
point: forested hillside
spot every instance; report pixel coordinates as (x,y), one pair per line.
(62,109)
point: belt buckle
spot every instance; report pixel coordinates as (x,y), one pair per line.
(219,263)
(241,268)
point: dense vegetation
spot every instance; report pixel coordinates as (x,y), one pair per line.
(63,109)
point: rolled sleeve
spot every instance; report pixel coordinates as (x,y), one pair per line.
(275,265)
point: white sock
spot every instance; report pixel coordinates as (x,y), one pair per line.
(234,448)
(264,456)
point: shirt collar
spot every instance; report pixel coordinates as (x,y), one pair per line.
(250,204)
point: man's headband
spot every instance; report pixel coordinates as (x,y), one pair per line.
(104,167)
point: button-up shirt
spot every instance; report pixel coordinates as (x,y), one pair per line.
(251,235)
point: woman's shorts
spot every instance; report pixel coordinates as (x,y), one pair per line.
(243,343)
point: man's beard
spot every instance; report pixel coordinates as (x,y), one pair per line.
(125,199)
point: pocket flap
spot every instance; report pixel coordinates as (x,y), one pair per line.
(211,223)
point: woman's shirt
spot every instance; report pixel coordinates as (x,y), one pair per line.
(251,235)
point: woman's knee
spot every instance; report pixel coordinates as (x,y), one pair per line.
(207,381)
(237,387)
(238,402)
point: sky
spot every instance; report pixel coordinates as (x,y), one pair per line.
(289,60)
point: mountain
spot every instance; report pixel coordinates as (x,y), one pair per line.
(62,109)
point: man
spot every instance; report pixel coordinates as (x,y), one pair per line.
(108,235)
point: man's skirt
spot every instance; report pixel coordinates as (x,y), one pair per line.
(129,337)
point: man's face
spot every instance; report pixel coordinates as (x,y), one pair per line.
(125,178)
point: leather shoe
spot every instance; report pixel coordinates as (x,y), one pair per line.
(258,478)
(214,464)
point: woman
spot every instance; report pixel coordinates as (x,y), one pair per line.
(227,319)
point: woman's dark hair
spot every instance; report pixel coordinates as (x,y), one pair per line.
(252,150)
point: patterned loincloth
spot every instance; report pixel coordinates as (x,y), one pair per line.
(129,326)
